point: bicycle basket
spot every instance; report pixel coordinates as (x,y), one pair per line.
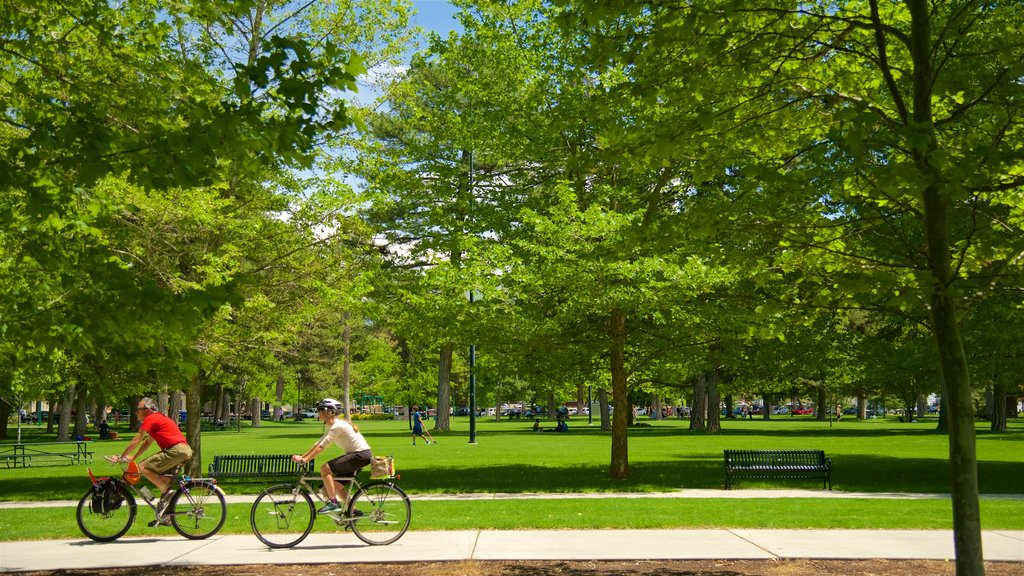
(106,497)
(382,467)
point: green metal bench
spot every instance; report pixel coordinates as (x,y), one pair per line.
(255,466)
(809,464)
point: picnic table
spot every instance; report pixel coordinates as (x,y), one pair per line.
(25,454)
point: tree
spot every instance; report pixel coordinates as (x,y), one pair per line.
(855,126)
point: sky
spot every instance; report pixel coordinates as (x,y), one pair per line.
(435,15)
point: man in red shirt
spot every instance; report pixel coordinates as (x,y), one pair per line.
(173,448)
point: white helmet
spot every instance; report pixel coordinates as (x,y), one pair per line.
(330,405)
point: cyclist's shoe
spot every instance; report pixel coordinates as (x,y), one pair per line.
(160,521)
(329,507)
(165,500)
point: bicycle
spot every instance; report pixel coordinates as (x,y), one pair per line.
(197,510)
(378,512)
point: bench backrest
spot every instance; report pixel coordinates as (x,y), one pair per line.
(255,465)
(775,457)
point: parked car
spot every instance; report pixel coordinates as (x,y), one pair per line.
(308,413)
(801,410)
(464,411)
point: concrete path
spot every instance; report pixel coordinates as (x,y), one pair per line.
(324,547)
(682,493)
(426,546)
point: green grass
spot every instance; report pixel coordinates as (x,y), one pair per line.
(867,456)
(598,513)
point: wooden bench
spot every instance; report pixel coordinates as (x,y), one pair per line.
(810,464)
(25,454)
(255,467)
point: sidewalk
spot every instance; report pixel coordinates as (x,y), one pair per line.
(322,548)
(682,493)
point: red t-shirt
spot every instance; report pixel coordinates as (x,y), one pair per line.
(163,430)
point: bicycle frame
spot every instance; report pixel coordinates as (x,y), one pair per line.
(377,512)
(195,507)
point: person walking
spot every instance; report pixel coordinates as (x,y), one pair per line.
(417,428)
(346,436)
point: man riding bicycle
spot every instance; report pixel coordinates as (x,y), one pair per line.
(357,453)
(173,448)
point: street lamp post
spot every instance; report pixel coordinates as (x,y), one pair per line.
(472,387)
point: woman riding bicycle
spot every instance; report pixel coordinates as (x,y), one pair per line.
(347,437)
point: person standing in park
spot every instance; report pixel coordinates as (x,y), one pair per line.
(839,411)
(173,448)
(417,427)
(357,454)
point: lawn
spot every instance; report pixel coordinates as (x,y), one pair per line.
(867,456)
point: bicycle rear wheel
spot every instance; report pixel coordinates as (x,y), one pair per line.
(109,525)
(380,513)
(282,516)
(198,511)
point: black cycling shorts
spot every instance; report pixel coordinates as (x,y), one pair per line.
(349,464)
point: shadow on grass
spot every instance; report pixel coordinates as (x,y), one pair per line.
(853,473)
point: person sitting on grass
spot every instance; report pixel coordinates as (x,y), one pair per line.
(536,425)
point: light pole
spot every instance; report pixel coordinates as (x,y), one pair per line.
(472,386)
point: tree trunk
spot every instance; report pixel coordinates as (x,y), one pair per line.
(5,415)
(193,423)
(161,396)
(255,407)
(346,367)
(81,411)
(444,389)
(999,407)
(952,360)
(99,409)
(580,400)
(67,403)
(714,402)
(862,406)
(699,411)
(821,410)
(729,404)
(620,396)
(279,398)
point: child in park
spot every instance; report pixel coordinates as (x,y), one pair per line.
(417,427)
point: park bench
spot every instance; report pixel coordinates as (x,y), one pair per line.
(254,466)
(25,454)
(777,464)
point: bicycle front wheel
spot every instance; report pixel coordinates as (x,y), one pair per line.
(282,516)
(106,525)
(380,513)
(198,511)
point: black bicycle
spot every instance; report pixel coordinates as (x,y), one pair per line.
(378,512)
(105,513)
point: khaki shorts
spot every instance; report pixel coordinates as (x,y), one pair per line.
(166,460)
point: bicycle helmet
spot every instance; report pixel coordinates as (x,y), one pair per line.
(329,404)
